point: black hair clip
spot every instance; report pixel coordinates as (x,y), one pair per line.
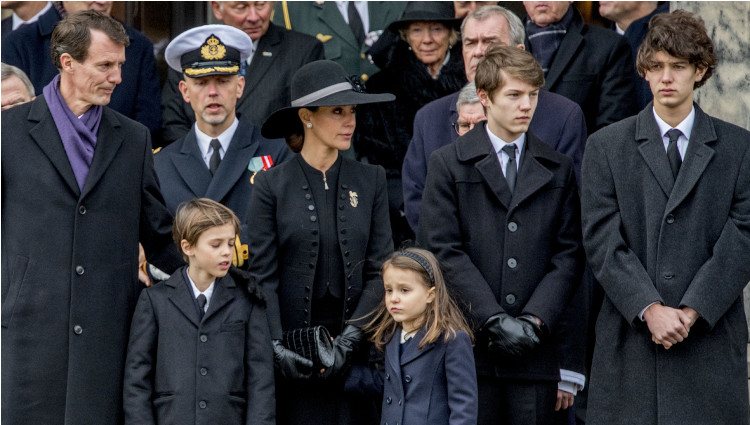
(357,84)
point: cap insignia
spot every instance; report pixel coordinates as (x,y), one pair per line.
(213,49)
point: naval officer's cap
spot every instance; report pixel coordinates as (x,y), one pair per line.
(209,50)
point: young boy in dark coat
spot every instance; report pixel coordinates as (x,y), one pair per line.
(200,348)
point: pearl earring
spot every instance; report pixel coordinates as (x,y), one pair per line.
(309,125)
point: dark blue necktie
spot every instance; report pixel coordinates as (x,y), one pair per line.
(201,300)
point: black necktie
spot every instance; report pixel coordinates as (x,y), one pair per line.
(511,169)
(213,163)
(355,23)
(201,300)
(673,154)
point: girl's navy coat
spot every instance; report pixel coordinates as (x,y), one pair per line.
(434,385)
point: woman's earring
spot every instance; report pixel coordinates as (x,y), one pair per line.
(308,125)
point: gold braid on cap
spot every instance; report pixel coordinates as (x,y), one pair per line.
(191,72)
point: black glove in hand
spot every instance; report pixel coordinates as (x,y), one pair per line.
(343,348)
(290,364)
(510,336)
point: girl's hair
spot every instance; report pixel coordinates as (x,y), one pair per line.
(441,318)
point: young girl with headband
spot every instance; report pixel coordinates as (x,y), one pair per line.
(430,377)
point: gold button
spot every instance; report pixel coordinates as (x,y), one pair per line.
(364,77)
(362,56)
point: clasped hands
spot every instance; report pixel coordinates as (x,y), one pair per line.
(668,325)
(513,336)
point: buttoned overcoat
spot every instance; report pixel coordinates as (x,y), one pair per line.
(682,242)
(69,265)
(507,252)
(285,240)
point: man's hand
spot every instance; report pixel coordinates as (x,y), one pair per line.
(564,400)
(667,324)
(691,314)
(142,266)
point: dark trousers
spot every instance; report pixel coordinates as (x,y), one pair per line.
(511,402)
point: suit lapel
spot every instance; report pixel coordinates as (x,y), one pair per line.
(182,297)
(224,292)
(234,164)
(476,144)
(264,57)
(45,134)
(697,157)
(189,164)
(108,142)
(330,16)
(651,148)
(532,175)
(565,53)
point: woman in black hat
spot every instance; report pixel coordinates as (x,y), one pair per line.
(426,64)
(319,233)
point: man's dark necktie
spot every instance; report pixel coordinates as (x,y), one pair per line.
(201,300)
(673,154)
(213,163)
(355,23)
(511,170)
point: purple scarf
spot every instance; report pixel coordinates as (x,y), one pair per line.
(78,135)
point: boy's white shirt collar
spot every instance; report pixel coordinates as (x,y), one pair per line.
(207,293)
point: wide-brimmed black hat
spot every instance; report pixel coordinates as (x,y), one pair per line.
(319,83)
(437,11)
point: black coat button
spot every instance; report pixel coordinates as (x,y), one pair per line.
(77,329)
(311,265)
(512,263)
(307,289)
(307,299)
(80,270)
(203,338)
(344,186)
(204,371)
(311,207)
(343,231)
(400,402)
(668,276)
(314,232)
(305,187)
(308,196)
(202,404)
(315,243)
(342,196)
(82,210)
(670,218)
(341,207)
(512,226)
(388,400)
(313,218)
(346,254)
(510,299)
(407,379)
(387,377)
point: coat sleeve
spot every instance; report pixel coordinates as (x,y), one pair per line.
(414,171)
(440,232)
(573,139)
(564,270)
(617,98)
(155,219)
(379,247)
(139,365)
(720,280)
(259,381)
(263,244)
(615,265)
(176,122)
(461,377)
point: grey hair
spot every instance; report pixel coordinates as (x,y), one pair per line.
(517,31)
(8,71)
(467,95)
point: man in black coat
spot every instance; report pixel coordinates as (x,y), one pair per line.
(508,236)
(275,55)
(77,196)
(184,167)
(666,227)
(589,65)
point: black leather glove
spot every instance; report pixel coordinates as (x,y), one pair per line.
(510,336)
(343,348)
(290,364)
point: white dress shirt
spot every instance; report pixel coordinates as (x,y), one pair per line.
(498,144)
(361,7)
(17,21)
(204,141)
(686,127)
(208,293)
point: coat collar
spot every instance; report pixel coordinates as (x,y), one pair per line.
(533,175)
(569,46)
(182,296)
(269,48)
(46,135)
(697,156)
(411,351)
(329,15)
(48,21)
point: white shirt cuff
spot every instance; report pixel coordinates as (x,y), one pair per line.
(571,382)
(640,315)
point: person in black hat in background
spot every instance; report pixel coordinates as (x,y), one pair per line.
(320,232)
(221,154)
(426,65)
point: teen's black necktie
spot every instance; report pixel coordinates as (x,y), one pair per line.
(213,163)
(511,170)
(673,154)
(355,23)
(201,300)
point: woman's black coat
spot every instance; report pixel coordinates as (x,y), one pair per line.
(284,240)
